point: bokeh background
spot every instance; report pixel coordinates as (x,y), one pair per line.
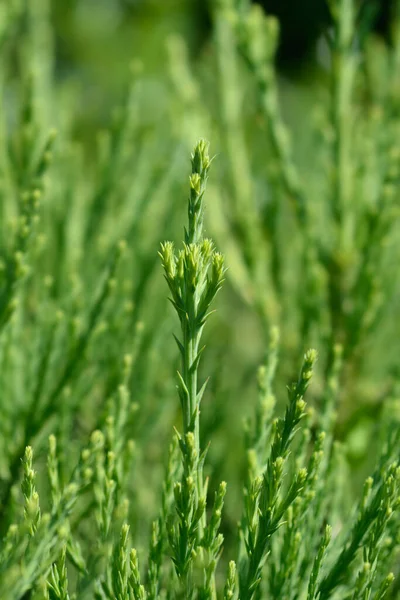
(130,85)
(96,40)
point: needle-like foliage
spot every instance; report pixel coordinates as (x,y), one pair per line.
(134,468)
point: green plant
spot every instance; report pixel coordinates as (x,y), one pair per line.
(87,364)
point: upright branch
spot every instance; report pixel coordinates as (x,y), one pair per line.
(266,505)
(343,71)
(377,506)
(194,276)
(258,36)
(342,83)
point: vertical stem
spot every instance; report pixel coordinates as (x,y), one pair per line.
(256,254)
(342,85)
(191,341)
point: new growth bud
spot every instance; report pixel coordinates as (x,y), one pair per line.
(201,159)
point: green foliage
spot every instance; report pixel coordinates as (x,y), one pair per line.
(303,205)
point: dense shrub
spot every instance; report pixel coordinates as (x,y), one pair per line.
(123,496)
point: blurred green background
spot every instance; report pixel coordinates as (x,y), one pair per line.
(96,40)
(163,61)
